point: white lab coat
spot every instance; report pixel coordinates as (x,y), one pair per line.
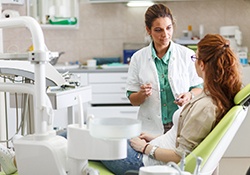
(181,75)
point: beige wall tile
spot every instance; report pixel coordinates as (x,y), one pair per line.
(103,28)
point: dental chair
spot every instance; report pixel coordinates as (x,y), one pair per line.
(213,147)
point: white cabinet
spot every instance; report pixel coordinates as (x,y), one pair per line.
(111,77)
(109,95)
(83,78)
(108,88)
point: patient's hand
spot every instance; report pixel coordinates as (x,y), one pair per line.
(138,144)
(147,137)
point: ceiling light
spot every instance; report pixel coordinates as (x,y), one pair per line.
(139,3)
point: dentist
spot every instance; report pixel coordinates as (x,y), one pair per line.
(161,76)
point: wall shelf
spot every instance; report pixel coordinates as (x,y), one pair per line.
(43,10)
(66,27)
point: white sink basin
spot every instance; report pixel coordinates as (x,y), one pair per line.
(114,128)
(82,146)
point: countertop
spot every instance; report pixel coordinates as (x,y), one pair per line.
(85,69)
(99,69)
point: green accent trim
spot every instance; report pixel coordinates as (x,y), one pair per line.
(100,167)
(96,165)
(2,173)
(242,95)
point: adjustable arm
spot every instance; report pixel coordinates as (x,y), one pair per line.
(38,58)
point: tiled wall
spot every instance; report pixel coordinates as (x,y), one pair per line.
(105,27)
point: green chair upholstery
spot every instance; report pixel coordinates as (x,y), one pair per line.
(2,173)
(96,165)
(100,167)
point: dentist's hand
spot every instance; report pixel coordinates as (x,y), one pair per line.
(183,98)
(146,89)
(139,97)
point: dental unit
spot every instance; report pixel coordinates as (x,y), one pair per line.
(43,152)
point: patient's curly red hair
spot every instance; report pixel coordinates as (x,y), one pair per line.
(223,75)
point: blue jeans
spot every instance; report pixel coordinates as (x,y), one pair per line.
(132,162)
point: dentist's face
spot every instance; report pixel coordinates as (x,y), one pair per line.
(161,31)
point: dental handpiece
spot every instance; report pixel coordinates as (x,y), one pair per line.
(198,166)
(183,162)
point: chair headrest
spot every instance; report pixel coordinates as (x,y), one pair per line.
(243,96)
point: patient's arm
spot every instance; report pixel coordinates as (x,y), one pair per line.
(161,154)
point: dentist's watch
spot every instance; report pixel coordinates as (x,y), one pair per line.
(152,152)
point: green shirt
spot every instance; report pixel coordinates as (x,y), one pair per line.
(168,107)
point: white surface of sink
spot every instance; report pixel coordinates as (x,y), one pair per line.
(114,128)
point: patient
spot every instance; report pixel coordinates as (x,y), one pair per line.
(219,67)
